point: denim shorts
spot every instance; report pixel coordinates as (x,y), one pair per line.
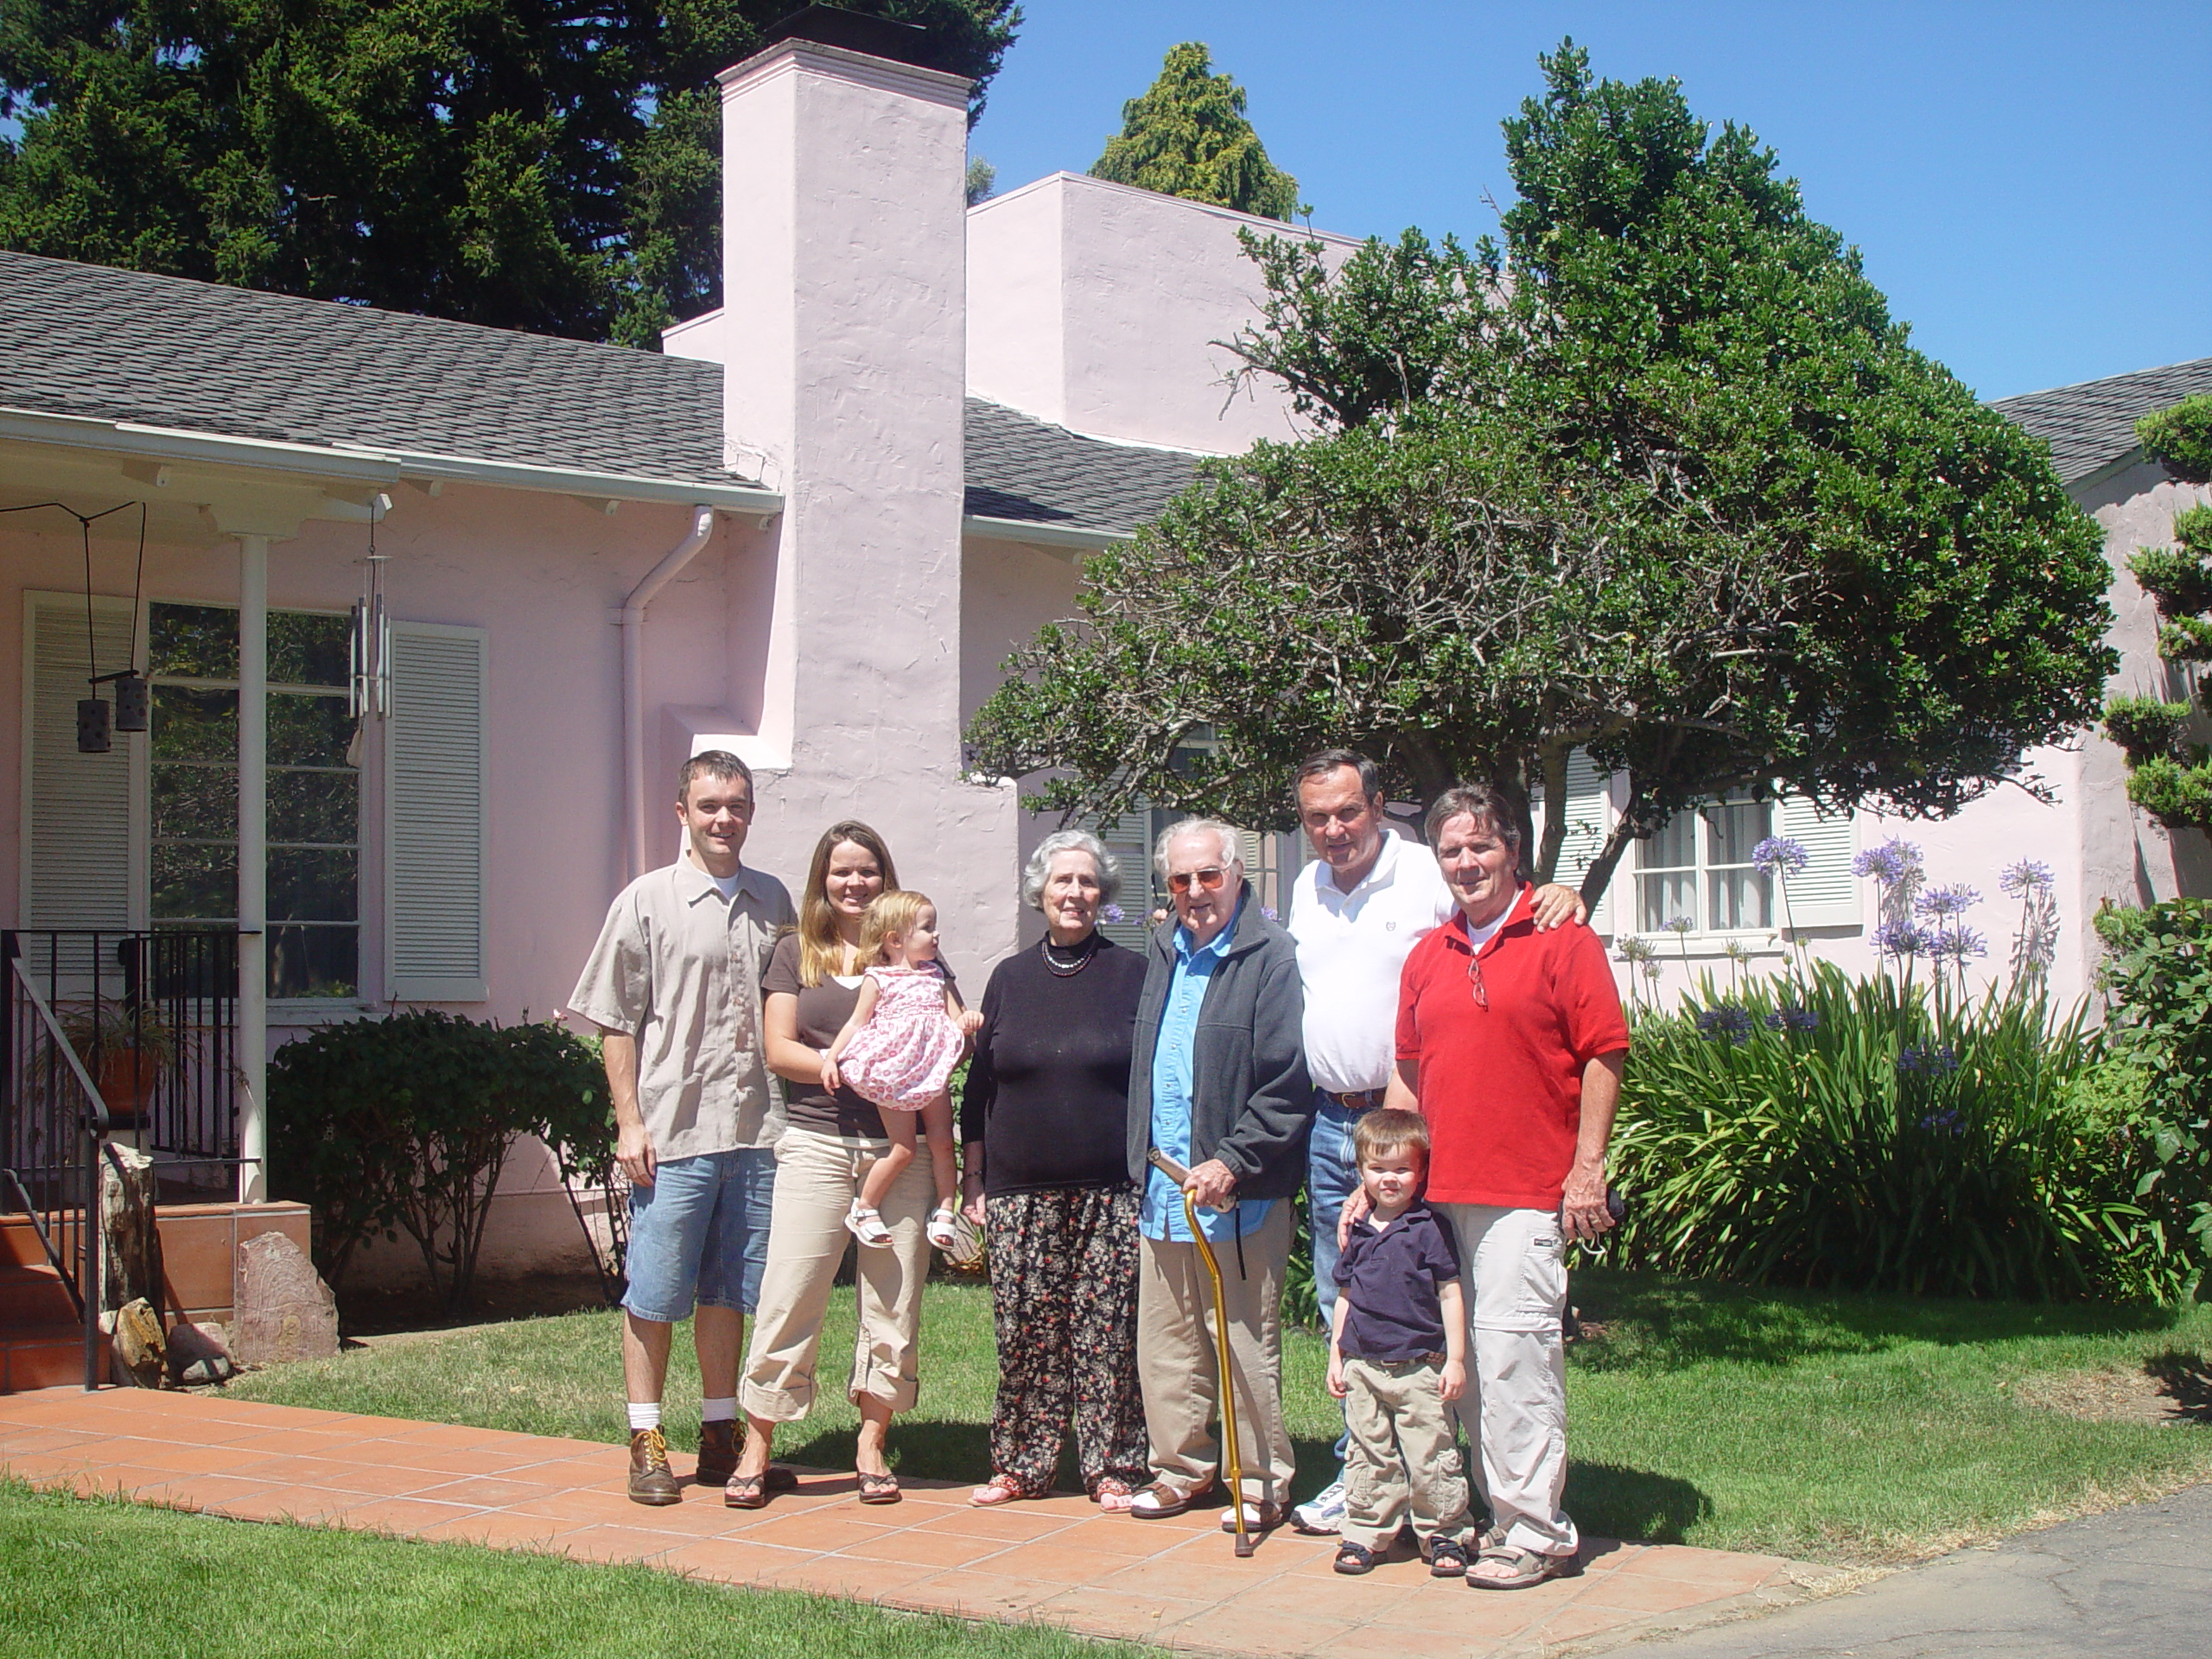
(700,1234)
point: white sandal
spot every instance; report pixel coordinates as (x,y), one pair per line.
(865,1225)
(944,1228)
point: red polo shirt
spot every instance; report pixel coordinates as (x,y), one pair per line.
(1501,1086)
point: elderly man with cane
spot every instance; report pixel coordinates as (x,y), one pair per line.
(1510,1044)
(1218,1085)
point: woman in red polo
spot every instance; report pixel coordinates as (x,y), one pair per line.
(1510,1044)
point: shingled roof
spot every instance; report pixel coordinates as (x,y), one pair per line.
(162,351)
(2091,425)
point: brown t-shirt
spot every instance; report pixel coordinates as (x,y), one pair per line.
(822,1011)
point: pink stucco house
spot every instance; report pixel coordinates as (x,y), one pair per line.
(808,532)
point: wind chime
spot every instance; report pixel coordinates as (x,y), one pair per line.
(96,722)
(368,694)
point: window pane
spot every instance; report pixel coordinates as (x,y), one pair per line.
(195,725)
(313,961)
(1675,848)
(322,806)
(198,642)
(313,885)
(195,803)
(1662,898)
(1739,900)
(1732,831)
(307,650)
(307,731)
(196,883)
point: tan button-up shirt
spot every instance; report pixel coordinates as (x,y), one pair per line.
(678,967)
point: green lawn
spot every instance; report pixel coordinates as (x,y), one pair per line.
(1836,1427)
(102,1578)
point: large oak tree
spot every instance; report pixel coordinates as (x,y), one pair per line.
(1657,477)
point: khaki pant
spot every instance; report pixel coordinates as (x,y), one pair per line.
(1513,1274)
(1403,1457)
(1179,1374)
(817,1177)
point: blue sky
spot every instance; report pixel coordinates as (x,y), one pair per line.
(2028,182)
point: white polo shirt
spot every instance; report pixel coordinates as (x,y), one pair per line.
(1351,947)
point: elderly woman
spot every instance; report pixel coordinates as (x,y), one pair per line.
(1045,1120)
(811,984)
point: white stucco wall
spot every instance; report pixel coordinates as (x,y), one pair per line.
(1095,306)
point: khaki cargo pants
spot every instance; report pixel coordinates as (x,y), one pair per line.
(1400,1461)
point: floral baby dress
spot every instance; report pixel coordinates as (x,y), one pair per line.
(904,1056)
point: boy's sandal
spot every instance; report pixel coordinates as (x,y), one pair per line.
(1353,1558)
(1447,1559)
(944,1228)
(1526,1568)
(995,1491)
(1113,1496)
(877,1489)
(865,1224)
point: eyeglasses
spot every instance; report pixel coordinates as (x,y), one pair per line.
(1209,878)
(1475,979)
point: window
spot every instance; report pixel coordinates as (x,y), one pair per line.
(1698,866)
(314,789)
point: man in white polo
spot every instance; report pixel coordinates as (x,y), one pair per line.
(1356,913)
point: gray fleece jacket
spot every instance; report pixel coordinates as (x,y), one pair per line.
(1252,1104)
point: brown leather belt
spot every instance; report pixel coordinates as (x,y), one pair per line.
(1365,1100)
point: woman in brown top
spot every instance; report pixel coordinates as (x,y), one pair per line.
(811,987)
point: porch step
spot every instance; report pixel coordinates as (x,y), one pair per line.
(33,1296)
(45,1357)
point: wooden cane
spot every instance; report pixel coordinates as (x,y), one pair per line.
(1175,1172)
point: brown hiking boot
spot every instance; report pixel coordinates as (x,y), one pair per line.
(651,1481)
(717,1454)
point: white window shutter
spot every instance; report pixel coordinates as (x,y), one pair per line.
(1825,893)
(76,868)
(1589,820)
(435,793)
(1132,849)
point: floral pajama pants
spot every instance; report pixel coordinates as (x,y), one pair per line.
(1064,1295)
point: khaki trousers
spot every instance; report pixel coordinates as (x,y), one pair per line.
(1404,1457)
(1513,1275)
(1179,1376)
(817,1177)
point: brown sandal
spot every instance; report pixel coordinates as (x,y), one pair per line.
(745,1492)
(877,1489)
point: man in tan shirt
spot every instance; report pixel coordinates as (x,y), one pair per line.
(674,986)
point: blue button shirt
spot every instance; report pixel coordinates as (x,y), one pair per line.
(1162,1215)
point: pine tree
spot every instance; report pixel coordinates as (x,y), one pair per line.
(1188,137)
(2169,771)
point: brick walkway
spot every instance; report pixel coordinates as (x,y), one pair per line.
(1171,1582)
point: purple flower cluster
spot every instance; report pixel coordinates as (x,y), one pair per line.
(1934,1061)
(1947,1123)
(1725,1023)
(1944,903)
(1959,944)
(1900,939)
(1780,853)
(1793,1019)
(2026,876)
(1111,913)
(1892,862)
(1677,923)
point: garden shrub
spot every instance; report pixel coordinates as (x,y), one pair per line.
(1878,1135)
(2158,973)
(401,1125)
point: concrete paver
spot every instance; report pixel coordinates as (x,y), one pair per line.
(1172,1582)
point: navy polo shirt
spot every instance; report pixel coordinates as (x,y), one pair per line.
(1389,1281)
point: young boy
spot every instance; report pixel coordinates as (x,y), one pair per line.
(1397,1355)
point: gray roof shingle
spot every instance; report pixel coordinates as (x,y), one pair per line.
(162,351)
(2090,425)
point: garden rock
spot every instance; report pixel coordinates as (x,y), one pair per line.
(285,1311)
(131,1262)
(140,1357)
(197,1355)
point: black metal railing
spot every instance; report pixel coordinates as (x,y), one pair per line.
(52,1119)
(153,1014)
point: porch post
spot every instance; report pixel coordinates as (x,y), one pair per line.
(253,866)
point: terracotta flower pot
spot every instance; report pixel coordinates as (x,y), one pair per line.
(126,1080)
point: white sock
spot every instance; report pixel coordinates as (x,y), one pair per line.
(718,1411)
(644,1415)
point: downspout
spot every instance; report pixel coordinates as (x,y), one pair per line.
(638,835)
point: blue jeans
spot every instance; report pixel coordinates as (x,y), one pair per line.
(699,1233)
(1332,1176)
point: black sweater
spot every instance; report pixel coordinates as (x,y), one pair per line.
(1048,1090)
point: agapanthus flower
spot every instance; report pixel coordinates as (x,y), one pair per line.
(1954,900)
(1651,972)
(1677,923)
(1935,1061)
(1726,1022)
(1945,1122)
(1635,949)
(2026,876)
(1900,939)
(1893,862)
(1779,853)
(1793,1019)
(1960,944)
(1111,913)
(1267,912)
